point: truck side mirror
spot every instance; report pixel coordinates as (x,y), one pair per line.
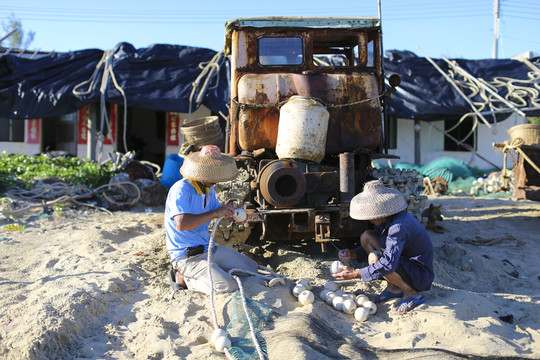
(394,80)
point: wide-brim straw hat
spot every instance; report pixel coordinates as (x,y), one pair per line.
(209,165)
(376,201)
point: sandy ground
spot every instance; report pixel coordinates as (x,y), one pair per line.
(82,284)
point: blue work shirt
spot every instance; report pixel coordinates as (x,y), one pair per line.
(405,242)
(186,197)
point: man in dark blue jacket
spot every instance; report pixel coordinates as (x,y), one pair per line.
(398,249)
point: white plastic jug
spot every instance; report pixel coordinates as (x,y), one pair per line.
(303,125)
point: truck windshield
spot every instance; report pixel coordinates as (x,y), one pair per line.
(280,50)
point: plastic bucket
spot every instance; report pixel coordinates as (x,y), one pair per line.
(203,131)
(171,170)
(302,129)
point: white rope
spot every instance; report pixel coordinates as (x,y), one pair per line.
(106,63)
(209,70)
(272,275)
(209,268)
(518,91)
(250,322)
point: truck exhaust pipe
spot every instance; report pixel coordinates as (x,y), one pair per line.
(346,178)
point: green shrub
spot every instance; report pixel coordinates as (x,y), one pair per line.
(26,170)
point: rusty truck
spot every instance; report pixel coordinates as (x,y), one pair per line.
(306,119)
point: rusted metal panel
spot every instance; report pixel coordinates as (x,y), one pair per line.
(353,124)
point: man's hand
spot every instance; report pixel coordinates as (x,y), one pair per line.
(346,255)
(226,211)
(346,273)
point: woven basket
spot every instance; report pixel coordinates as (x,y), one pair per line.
(529,133)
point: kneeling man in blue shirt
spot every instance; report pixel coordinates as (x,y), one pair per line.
(398,249)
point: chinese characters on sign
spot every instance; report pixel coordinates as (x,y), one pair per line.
(82,136)
(83,125)
(33,131)
(173,129)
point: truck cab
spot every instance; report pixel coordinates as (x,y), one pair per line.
(285,71)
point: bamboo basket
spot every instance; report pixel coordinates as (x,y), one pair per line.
(529,133)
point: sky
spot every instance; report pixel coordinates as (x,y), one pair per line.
(436,28)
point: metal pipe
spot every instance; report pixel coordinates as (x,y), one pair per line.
(346,178)
(384,113)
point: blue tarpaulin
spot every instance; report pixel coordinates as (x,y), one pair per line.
(160,77)
(425,94)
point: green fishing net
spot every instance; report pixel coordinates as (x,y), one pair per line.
(242,347)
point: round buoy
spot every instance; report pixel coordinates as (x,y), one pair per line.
(306,297)
(361,314)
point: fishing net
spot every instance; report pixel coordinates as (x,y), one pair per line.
(407,166)
(447,168)
(463,179)
(242,347)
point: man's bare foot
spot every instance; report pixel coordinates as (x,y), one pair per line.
(180,279)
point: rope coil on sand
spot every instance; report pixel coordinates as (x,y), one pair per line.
(62,193)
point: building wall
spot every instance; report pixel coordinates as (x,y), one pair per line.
(432,143)
(19,148)
(27,148)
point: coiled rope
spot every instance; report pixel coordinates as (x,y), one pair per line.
(60,192)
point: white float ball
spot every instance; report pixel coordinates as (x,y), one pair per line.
(361,314)
(348,306)
(217,333)
(323,293)
(306,297)
(239,215)
(337,302)
(298,289)
(361,299)
(329,297)
(370,305)
(349,297)
(305,283)
(221,343)
(335,267)
(331,285)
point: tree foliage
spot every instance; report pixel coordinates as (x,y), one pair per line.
(18,39)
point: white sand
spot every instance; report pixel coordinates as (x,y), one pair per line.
(89,285)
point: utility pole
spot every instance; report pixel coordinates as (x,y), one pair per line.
(496,29)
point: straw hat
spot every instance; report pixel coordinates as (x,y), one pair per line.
(209,165)
(376,201)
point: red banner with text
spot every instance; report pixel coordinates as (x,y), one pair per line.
(82,131)
(33,131)
(82,127)
(173,129)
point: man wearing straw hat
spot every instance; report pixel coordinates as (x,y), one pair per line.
(398,249)
(191,205)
